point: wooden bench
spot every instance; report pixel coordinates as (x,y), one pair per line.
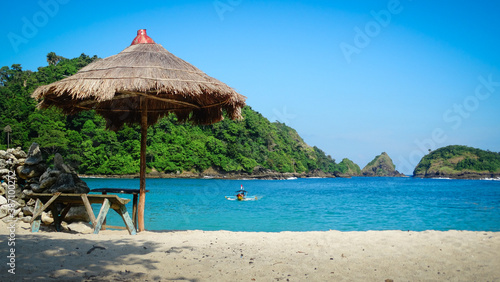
(134,192)
(70,200)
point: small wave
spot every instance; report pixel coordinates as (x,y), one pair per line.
(443,178)
(491,179)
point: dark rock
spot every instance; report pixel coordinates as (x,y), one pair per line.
(64,183)
(32,181)
(62,179)
(69,183)
(81,186)
(36,188)
(27,210)
(31,171)
(77,214)
(60,165)
(34,156)
(48,178)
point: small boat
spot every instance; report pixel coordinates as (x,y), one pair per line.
(241,195)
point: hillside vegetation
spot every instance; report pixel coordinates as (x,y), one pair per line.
(459,162)
(254,144)
(349,168)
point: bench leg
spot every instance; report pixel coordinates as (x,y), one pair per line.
(44,207)
(122,211)
(89,210)
(102,215)
(35,224)
(55,215)
(103,226)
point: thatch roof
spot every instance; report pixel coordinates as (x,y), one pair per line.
(113,87)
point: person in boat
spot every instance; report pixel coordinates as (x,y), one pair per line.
(241,194)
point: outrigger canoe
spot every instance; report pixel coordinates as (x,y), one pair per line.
(241,195)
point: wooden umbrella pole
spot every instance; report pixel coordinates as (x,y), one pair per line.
(144,135)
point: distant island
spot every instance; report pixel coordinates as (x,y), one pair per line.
(459,162)
(348,168)
(382,165)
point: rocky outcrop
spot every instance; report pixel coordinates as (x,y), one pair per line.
(382,165)
(12,199)
(10,162)
(40,179)
(22,174)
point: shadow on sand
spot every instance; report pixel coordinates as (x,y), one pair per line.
(78,257)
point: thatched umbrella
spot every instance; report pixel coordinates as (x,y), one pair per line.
(141,84)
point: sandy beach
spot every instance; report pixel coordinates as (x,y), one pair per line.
(252,256)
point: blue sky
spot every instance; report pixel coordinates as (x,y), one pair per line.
(355,78)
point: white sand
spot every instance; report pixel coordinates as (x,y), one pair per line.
(253,256)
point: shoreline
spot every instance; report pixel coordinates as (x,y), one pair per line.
(268,177)
(215,175)
(196,255)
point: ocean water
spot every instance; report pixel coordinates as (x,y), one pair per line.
(344,204)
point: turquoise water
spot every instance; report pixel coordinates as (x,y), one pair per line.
(355,204)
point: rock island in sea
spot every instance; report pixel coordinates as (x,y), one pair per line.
(382,165)
(459,162)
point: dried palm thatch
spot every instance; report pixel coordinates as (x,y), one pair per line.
(114,86)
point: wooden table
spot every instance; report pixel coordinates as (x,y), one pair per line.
(70,200)
(134,192)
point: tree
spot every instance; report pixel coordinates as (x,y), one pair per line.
(53,59)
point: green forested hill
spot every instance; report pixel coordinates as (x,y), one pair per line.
(381,165)
(349,168)
(459,162)
(228,146)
